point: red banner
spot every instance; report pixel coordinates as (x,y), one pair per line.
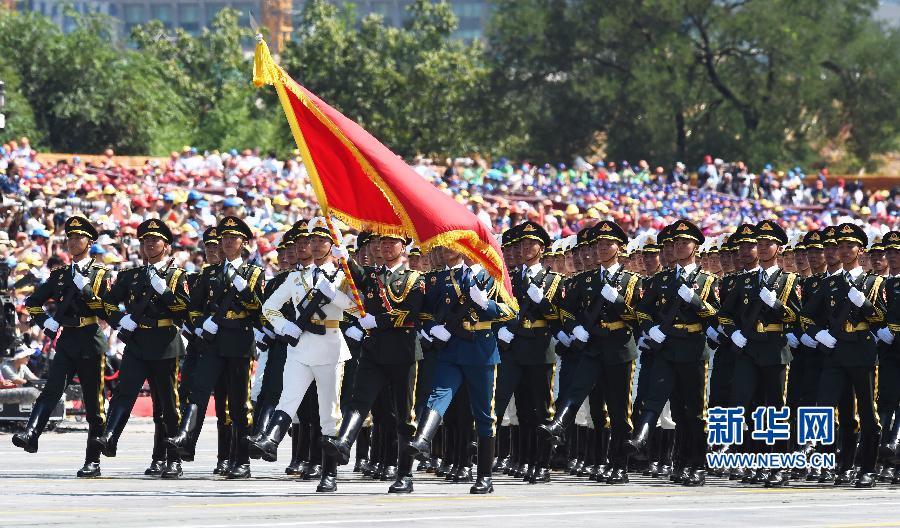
(367,186)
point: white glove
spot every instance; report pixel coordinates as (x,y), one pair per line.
(290,329)
(338,251)
(128,323)
(768,296)
(478,297)
(712,334)
(825,337)
(51,324)
(886,335)
(198,331)
(581,334)
(738,339)
(440,332)
(258,335)
(505,335)
(563,338)
(210,326)
(808,341)
(239,282)
(80,280)
(536,294)
(158,283)
(656,334)
(367,321)
(642,343)
(856,296)
(685,293)
(425,335)
(327,289)
(792,340)
(609,293)
(355,333)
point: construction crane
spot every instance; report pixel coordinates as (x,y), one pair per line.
(277,19)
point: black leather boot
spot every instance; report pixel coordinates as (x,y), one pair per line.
(362,449)
(89,470)
(40,415)
(868,446)
(778,478)
(420,446)
(262,416)
(483,483)
(221,467)
(339,447)
(554,431)
(172,470)
(328,482)
(156,468)
(404,482)
(637,445)
(299,466)
(115,424)
(188,423)
(266,446)
(315,452)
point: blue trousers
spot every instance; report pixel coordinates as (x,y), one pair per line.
(479,380)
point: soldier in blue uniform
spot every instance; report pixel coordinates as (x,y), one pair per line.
(468,354)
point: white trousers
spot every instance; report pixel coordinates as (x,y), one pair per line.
(328,378)
(256,384)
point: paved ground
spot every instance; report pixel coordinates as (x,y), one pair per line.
(41,490)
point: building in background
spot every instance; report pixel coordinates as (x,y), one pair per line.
(472,15)
(276,15)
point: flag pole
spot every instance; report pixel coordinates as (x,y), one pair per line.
(265,71)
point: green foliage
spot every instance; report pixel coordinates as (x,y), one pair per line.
(413,88)
(760,80)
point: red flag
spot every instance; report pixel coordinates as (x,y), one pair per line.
(363,183)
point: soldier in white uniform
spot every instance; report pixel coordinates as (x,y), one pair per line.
(317,351)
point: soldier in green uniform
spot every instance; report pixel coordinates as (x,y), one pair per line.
(80,343)
(675,313)
(155,300)
(213,256)
(392,297)
(527,362)
(760,324)
(225,307)
(889,364)
(605,321)
(839,315)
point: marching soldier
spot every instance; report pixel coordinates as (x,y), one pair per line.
(528,362)
(467,354)
(839,315)
(224,309)
(605,315)
(276,355)
(765,309)
(675,313)
(393,298)
(316,349)
(80,343)
(889,365)
(155,300)
(213,256)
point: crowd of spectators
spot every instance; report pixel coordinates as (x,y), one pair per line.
(190,189)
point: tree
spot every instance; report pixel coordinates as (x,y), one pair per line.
(753,79)
(414,87)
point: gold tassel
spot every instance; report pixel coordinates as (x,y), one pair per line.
(265,71)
